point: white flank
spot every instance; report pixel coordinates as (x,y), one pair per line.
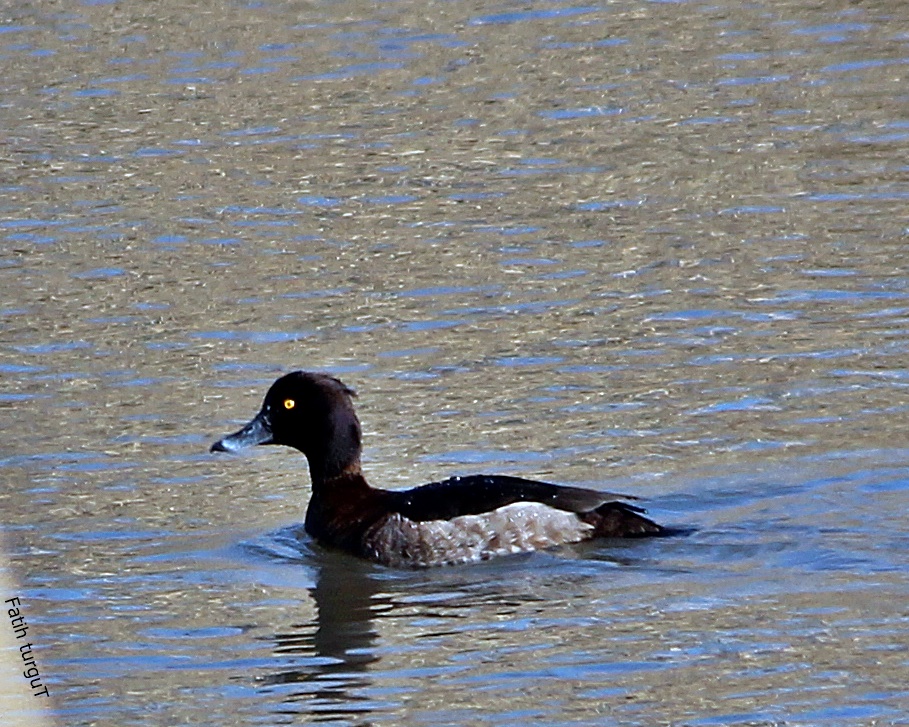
(515,528)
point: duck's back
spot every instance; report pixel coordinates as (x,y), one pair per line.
(474,518)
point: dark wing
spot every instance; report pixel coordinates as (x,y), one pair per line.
(476,494)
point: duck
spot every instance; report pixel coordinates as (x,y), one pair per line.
(462,519)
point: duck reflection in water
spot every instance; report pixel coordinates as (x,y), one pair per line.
(338,647)
(330,664)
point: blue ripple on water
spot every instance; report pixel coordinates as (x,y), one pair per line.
(477,456)
(100,273)
(13,224)
(513,361)
(253,336)
(583,112)
(356,69)
(95,92)
(433,325)
(753,80)
(314,200)
(598,206)
(832,28)
(254,131)
(862,65)
(753,210)
(391,199)
(56,347)
(156,152)
(520,15)
(748,403)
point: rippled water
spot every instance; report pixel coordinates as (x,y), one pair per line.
(642,246)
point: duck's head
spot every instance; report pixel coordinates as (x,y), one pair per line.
(310,412)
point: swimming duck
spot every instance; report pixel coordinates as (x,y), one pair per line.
(458,520)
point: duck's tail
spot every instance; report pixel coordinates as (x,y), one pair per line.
(621,520)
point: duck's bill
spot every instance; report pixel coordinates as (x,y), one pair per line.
(258,431)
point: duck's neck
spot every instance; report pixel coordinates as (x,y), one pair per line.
(342,508)
(326,475)
(337,457)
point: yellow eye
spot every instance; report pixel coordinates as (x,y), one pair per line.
(289,403)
